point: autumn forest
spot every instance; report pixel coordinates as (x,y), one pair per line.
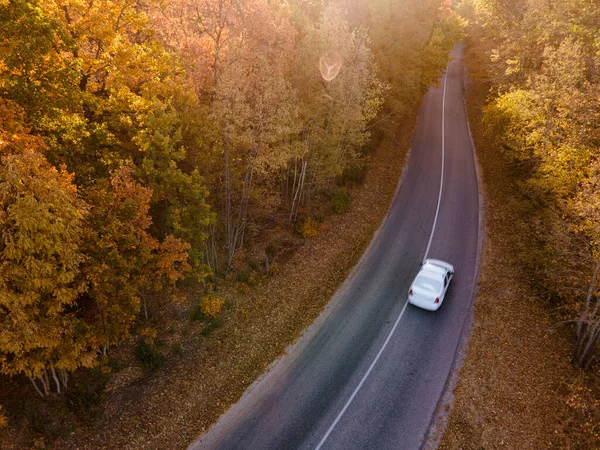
(144,142)
(152,150)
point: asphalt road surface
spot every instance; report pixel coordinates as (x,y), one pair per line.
(369,373)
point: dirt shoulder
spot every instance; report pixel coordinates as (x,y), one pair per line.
(172,409)
(516,384)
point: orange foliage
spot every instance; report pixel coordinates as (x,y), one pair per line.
(126,260)
(173,258)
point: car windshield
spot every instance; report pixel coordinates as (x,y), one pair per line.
(426,282)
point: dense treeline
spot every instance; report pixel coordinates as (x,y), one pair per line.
(139,138)
(544,66)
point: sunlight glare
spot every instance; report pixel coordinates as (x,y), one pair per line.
(330,64)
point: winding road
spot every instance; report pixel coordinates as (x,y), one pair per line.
(370,372)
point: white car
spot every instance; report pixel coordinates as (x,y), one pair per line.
(430,285)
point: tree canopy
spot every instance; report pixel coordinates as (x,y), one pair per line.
(139,139)
(544,60)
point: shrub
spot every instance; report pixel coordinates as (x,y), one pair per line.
(310,228)
(271,250)
(353,175)
(215,323)
(197,316)
(176,348)
(211,305)
(149,357)
(242,277)
(149,335)
(85,399)
(40,423)
(114,364)
(341,201)
(253,280)
(85,404)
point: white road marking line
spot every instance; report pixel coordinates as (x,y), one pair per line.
(443,157)
(365,376)
(339,416)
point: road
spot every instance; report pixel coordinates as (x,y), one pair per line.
(369,373)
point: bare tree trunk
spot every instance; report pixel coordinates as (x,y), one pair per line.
(238,226)
(64,375)
(588,326)
(35,385)
(591,338)
(591,349)
(45,382)
(228,215)
(294,185)
(243,211)
(145,305)
(211,249)
(298,192)
(105,347)
(55,378)
(285,186)
(301,187)
(588,298)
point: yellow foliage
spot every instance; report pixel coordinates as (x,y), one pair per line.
(211,305)
(253,280)
(310,228)
(149,335)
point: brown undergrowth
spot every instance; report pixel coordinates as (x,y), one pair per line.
(517,388)
(260,319)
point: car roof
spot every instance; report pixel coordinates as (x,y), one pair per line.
(431,268)
(426,282)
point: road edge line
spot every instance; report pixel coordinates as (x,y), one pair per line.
(364,378)
(437,210)
(366,375)
(439,421)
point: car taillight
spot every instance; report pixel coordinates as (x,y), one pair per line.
(437,300)
(410,292)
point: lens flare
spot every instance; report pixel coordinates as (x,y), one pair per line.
(330,64)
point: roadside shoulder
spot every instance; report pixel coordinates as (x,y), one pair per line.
(513,386)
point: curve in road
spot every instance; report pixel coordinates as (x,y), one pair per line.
(369,373)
